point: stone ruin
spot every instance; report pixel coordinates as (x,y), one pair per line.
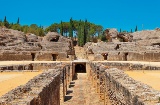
(117,88)
(112,84)
(44,89)
(16,46)
(138,46)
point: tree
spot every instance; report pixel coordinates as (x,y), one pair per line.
(66,28)
(85,31)
(16,27)
(61,28)
(1,23)
(131,30)
(5,22)
(103,37)
(136,29)
(18,20)
(82,34)
(120,30)
(71,28)
(99,29)
(79,33)
(25,28)
(40,32)
(53,28)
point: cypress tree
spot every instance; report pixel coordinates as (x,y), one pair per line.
(85,32)
(61,28)
(120,30)
(18,20)
(5,22)
(136,29)
(71,28)
(82,34)
(79,33)
(131,30)
(0,22)
(5,19)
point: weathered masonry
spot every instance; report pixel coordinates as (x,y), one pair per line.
(43,89)
(17,46)
(79,67)
(117,88)
(112,84)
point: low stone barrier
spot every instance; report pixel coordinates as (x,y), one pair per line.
(123,90)
(18,67)
(117,88)
(130,66)
(43,89)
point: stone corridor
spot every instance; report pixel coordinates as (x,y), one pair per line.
(81,92)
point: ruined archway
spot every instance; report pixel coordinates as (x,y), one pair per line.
(125,56)
(105,56)
(54,57)
(54,39)
(80,68)
(33,56)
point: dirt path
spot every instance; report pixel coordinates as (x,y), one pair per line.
(81,92)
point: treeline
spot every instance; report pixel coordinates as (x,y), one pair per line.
(33,28)
(83,31)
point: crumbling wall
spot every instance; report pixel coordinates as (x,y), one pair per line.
(124,90)
(115,56)
(62,56)
(14,57)
(19,67)
(43,57)
(117,88)
(98,57)
(44,66)
(130,66)
(43,89)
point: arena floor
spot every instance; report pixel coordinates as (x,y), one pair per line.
(10,80)
(150,78)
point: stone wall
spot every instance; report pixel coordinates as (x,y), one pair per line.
(145,56)
(43,89)
(130,66)
(115,56)
(44,57)
(19,67)
(123,51)
(117,88)
(15,57)
(124,90)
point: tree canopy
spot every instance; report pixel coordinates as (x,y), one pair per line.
(85,31)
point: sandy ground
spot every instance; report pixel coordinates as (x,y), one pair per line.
(150,78)
(10,80)
(81,92)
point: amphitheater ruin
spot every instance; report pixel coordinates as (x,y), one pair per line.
(51,70)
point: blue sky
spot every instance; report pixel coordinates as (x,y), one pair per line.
(124,14)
